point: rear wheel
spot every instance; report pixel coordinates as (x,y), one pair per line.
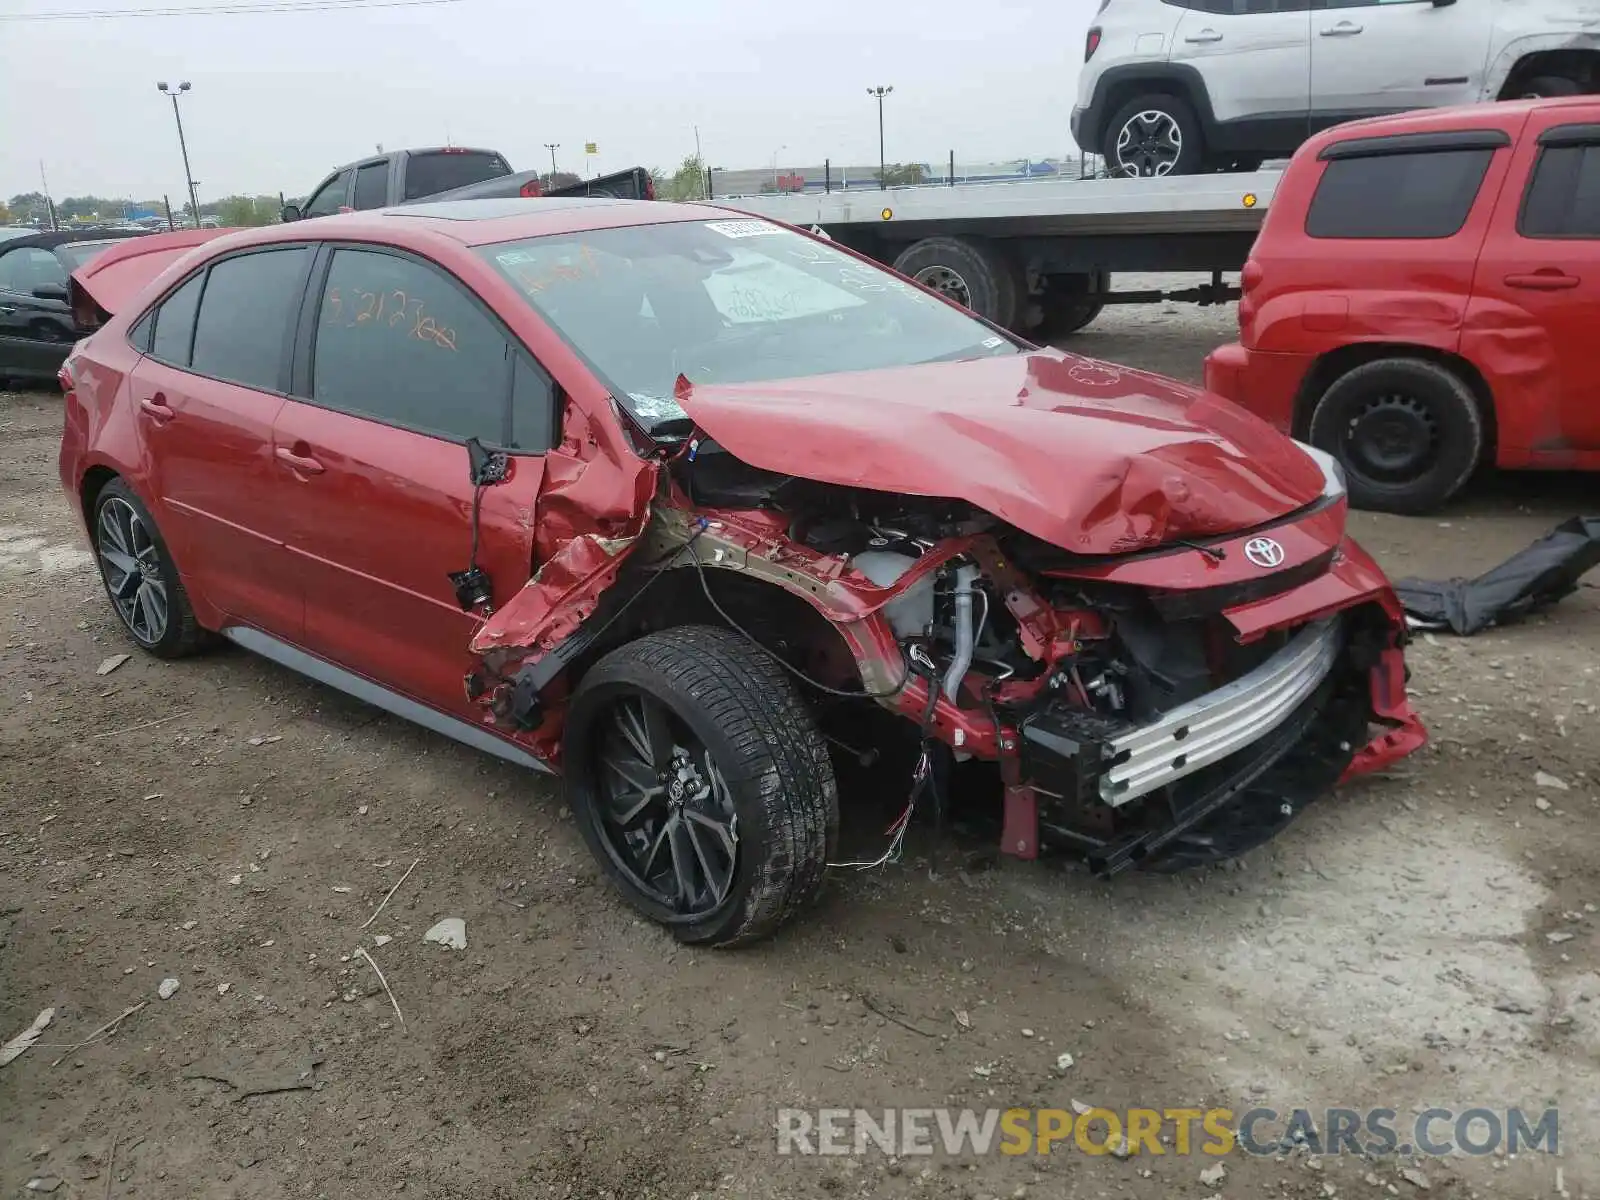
(1408,432)
(140,577)
(1069,303)
(1154,135)
(973,272)
(701,783)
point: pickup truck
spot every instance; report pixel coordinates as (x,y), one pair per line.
(447,173)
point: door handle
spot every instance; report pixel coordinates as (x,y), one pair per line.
(303,463)
(7,309)
(1549,280)
(156,407)
(1342,29)
(1205,35)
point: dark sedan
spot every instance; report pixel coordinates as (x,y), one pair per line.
(36,327)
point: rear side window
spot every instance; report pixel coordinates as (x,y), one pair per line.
(400,342)
(1563,198)
(243,328)
(443,170)
(174,324)
(372,186)
(1423,195)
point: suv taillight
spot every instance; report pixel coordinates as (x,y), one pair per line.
(1250,277)
(531,188)
(1092,44)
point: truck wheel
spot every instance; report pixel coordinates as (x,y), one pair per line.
(1069,304)
(973,272)
(701,783)
(1549,87)
(1154,135)
(1408,432)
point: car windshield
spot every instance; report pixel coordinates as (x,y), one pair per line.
(728,301)
(79,254)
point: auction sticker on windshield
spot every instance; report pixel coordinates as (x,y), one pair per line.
(750,227)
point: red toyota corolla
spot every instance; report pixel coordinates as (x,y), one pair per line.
(703,511)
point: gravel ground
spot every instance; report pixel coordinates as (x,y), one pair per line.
(229,825)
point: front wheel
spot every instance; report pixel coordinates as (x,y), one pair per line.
(1550,87)
(701,784)
(1407,431)
(1152,136)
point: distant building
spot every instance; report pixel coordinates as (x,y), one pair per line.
(758,181)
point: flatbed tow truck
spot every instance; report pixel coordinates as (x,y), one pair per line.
(1037,257)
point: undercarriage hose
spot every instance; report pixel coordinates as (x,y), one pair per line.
(965,638)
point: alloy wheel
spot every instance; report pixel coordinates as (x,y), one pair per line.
(666,813)
(130,563)
(1149,144)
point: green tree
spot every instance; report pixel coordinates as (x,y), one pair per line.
(5,214)
(28,206)
(688,182)
(902,174)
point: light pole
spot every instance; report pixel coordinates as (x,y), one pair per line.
(883,165)
(775,154)
(173,94)
(552,147)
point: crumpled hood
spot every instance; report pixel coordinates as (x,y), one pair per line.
(1091,457)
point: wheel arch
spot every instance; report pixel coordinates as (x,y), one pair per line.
(1118,85)
(1337,363)
(1572,57)
(89,488)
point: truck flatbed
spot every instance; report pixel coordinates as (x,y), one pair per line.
(1037,256)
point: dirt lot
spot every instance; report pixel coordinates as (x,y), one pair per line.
(225,823)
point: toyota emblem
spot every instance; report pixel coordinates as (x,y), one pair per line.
(1264,552)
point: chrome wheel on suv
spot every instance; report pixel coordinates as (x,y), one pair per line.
(1149,143)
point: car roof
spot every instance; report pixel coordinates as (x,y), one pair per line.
(50,239)
(490,221)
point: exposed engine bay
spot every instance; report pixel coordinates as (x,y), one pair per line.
(1130,724)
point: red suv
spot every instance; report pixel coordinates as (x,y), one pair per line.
(705,512)
(1424,295)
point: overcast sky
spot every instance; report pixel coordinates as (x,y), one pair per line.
(278,100)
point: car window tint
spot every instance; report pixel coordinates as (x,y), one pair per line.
(1254,7)
(328,199)
(400,342)
(372,186)
(174,321)
(533,406)
(244,318)
(1421,195)
(27,267)
(443,170)
(1563,199)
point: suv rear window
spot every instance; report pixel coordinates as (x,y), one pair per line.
(442,170)
(1420,195)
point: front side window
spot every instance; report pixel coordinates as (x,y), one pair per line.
(29,267)
(329,198)
(728,301)
(1423,195)
(400,342)
(1563,199)
(242,331)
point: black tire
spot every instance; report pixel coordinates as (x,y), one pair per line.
(1549,87)
(1408,432)
(758,737)
(1068,304)
(1164,138)
(180,633)
(973,272)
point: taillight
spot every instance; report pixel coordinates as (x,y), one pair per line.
(64,375)
(1250,278)
(1092,44)
(649,187)
(531,188)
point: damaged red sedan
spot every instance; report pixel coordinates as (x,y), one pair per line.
(690,506)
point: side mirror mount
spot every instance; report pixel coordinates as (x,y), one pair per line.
(51,291)
(289,212)
(485,467)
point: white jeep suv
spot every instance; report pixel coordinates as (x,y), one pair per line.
(1173,87)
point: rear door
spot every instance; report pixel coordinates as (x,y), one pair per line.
(1255,59)
(371,186)
(206,394)
(400,364)
(1536,301)
(1370,57)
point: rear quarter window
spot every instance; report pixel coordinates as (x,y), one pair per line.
(1563,199)
(1424,195)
